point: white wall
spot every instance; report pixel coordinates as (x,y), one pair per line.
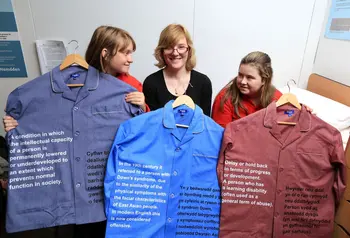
(223,31)
(332,58)
(320,9)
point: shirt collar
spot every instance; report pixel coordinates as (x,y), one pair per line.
(271,116)
(59,86)
(196,125)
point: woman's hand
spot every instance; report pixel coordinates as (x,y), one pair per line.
(136,98)
(9,123)
(309,109)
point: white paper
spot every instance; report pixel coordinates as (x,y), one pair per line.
(50,53)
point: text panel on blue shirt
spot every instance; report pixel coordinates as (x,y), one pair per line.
(161,178)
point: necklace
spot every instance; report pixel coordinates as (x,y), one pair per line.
(177,86)
(177,93)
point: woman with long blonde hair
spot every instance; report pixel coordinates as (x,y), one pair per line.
(176,59)
(250,91)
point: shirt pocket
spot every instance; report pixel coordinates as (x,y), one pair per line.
(104,119)
(203,167)
(312,160)
(106,110)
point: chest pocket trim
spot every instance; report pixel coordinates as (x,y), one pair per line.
(105,109)
(205,156)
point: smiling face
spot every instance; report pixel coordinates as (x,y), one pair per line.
(120,62)
(110,50)
(176,56)
(249,81)
(175,49)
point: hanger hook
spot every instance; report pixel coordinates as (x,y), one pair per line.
(291,80)
(76,47)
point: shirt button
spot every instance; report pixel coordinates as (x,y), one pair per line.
(77,185)
(77,133)
(77,159)
(75,108)
(172,195)
(178,149)
(169,219)
(281,169)
(175,173)
(279,191)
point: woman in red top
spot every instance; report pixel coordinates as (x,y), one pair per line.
(247,93)
(110,51)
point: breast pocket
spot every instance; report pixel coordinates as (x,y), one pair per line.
(204,167)
(106,111)
(312,160)
(104,121)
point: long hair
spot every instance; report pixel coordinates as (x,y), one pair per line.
(262,62)
(168,38)
(113,39)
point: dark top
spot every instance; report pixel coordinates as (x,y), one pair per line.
(157,94)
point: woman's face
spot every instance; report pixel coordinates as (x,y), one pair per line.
(120,62)
(175,57)
(249,81)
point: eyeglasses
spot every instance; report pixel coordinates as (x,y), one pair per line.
(180,49)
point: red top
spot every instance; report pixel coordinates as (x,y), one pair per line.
(227,115)
(127,78)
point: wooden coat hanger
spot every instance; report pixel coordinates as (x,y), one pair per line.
(288,98)
(183,100)
(74,59)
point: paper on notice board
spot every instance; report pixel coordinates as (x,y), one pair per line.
(50,53)
(338,25)
(12,63)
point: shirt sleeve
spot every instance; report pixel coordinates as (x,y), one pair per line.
(14,105)
(111,167)
(225,145)
(339,164)
(224,116)
(150,92)
(133,110)
(206,94)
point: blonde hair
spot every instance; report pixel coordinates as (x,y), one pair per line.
(168,38)
(113,39)
(262,62)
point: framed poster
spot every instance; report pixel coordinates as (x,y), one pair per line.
(11,56)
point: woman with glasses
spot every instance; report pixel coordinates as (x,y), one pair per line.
(176,59)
